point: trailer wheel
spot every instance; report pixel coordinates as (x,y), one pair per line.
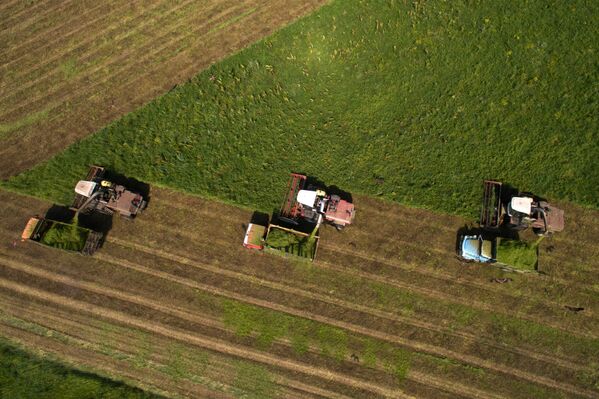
(339,227)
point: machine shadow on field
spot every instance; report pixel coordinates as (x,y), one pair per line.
(60,213)
(332,190)
(259,218)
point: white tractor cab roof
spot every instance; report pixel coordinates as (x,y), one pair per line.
(85,188)
(307,197)
(521,204)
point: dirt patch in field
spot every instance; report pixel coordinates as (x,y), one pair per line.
(69,68)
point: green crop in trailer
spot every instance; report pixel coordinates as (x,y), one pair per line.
(518,254)
(65,236)
(294,244)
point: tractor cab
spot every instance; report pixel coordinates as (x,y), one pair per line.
(519,205)
(315,205)
(502,210)
(96,193)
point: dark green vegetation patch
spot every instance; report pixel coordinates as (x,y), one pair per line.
(415,102)
(25,376)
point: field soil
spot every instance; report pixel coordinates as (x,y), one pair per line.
(148,307)
(70,67)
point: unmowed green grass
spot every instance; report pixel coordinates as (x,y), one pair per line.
(414,102)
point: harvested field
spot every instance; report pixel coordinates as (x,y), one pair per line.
(188,311)
(70,67)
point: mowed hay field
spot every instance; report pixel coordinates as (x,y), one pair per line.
(176,305)
(69,67)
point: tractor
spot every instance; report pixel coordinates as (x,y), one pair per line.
(505,210)
(97,194)
(314,205)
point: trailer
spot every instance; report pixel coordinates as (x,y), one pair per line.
(66,236)
(281,241)
(509,254)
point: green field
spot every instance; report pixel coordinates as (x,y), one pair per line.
(415,102)
(25,376)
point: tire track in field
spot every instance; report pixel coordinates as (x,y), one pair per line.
(32,18)
(419,347)
(419,377)
(125,67)
(313,295)
(78,96)
(439,295)
(88,43)
(201,341)
(50,44)
(103,365)
(464,283)
(203,320)
(60,88)
(426,379)
(88,336)
(191,61)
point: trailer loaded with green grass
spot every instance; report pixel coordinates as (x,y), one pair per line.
(510,254)
(66,236)
(281,240)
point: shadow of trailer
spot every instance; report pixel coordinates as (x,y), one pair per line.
(66,236)
(281,241)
